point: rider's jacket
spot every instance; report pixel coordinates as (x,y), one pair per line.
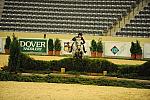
(79,40)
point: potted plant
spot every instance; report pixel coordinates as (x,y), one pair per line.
(138,50)
(99,49)
(50,47)
(7,44)
(93,48)
(57,46)
(133,50)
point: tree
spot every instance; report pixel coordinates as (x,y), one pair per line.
(99,46)
(14,63)
(93,45)
(138,48)
(99,49)
(57,45)
(50,45)
(8,41)
(7,45)
(93,48)
(132,49)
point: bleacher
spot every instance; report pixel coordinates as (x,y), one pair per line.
(139,26)
(64,16)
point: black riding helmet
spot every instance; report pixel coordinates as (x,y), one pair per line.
(80,34)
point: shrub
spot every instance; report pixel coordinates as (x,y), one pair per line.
(8,42)
(99,46)
(83,65)
(27,63)
(132,49)
(57,45)
(93,45)
(71,64)
(138,48)
(50,45)
(127,69)
(13,63)
(144,69)
(135,48)
(6,76)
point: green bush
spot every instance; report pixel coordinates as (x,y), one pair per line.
(6,76)
(83,65)
(99,46)
(138,48)
(13,64)
(50,45)
(27,63)
(93,45)
(8,42)
(127,69)
(135,48)
(144,70)
(57,44)
(71,64)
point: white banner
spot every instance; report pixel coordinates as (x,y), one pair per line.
(120,49)
(1,45)
(147,50)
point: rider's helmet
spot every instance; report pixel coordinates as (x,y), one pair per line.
(80,34)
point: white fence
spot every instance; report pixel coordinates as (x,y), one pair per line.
(1,45)
(147,50)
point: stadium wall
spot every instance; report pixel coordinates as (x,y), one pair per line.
(118,41)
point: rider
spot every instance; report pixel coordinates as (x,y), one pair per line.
(79,37)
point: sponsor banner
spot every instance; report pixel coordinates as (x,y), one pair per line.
(120,49)
(34,46)
(147,50)
(1,45)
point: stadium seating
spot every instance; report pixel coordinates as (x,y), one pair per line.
(139,26)
(64,16)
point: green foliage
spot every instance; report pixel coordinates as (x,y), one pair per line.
(127,69)
(71,64)
(93,45)
(50,45)
(8,42)
(13,63)
(6,76)
(99,46)
(144,70)
(138,48)
(27,63)
(132,49)
(83,65)
(135,48)
(57,44)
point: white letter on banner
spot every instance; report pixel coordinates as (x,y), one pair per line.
(22,43)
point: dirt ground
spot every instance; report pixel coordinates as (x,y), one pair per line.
(53,91)
(4,60)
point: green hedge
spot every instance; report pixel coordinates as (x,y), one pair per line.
(84,66)
(144,69)
(71,64)
(87,65)
(27,63)
(6,76)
